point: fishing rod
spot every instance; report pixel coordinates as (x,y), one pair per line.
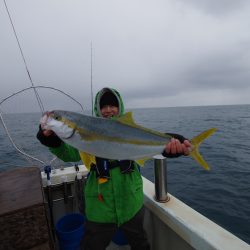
(40,103)
(91,77)
(24,60)
(32,85)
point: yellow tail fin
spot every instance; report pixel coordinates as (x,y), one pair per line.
(196,141)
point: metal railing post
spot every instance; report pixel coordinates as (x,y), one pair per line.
(160,170)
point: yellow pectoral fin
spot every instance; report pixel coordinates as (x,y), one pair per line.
(196,141)
(87,159)
(141,162)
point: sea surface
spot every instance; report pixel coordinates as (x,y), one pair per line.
(221,194)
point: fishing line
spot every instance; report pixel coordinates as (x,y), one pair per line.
(24,60)
(44,87)
(28,156)
(13,143)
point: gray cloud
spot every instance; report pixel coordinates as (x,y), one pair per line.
(229,70)
(155,52)
(215,7)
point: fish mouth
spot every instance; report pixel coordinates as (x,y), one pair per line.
(44,120)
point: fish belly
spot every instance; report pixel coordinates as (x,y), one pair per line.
(114,150)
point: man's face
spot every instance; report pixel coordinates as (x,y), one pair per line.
(109,111)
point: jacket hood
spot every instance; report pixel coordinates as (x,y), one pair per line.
(99,96)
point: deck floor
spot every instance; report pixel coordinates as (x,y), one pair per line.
(113,246)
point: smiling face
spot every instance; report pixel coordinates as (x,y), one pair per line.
(108,111)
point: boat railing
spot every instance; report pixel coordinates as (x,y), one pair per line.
(170,224)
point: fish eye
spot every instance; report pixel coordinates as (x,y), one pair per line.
(57,117)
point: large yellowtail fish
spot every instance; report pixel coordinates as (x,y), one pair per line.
(119,138)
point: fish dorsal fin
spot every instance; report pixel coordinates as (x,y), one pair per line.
(127,119)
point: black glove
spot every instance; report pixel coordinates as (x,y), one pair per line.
(52,141)
(178,137)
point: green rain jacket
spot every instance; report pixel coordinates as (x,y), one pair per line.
(121,196)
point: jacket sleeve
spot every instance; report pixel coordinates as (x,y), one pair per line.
(52,141)
(57,147)
(181,139)
(66,153)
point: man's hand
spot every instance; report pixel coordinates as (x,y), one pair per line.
(43,120)
(176,147)
(47,132)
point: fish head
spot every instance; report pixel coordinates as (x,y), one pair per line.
(56,122)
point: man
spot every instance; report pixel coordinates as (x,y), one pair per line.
(113,192)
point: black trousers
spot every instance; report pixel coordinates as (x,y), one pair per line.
(98,235)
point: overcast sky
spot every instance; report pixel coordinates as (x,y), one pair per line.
(157,53)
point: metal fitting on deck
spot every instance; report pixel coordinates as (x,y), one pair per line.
(160,170)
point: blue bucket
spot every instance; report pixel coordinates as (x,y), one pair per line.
(119,238)
(70,230)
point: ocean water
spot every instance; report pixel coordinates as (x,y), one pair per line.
(221,194)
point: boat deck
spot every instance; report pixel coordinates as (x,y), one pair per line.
(172,225)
